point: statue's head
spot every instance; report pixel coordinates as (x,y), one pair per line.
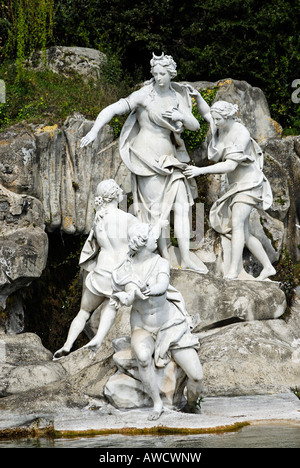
(108,190)
(138,236)
(224,108)
(165,61)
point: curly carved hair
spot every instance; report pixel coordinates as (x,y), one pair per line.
(165,61)
(138,236)
(107,190)
(224,108)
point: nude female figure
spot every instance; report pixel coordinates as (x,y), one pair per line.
(105,247)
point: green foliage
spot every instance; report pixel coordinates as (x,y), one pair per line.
(249,40)
(242,39)
(48,97)
(27,26)
(288,274)
(296,391)
(194,140)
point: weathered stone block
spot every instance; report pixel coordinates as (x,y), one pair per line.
(219,301)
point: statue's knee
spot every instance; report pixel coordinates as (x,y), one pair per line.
(197,377)
(144,359)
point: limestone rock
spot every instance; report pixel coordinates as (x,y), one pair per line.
(124,389)
(18,160)
(48,163)
(219,301)
(26,364)
(257,357)
(23,349)
(286,153)
(254,110)
(24,243)
(67,60)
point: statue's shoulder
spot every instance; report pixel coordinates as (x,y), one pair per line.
(241,131)
(185,92)
(163,265)
(138,96)
(182,88)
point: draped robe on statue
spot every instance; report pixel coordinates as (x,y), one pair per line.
(250,186)
(156,176)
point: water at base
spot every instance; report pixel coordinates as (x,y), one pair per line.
(247,437)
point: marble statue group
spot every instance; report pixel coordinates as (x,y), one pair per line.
(126,260)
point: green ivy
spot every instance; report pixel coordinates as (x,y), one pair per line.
(288,274)
(29,26)
(192,139)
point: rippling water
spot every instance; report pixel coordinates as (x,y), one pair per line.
(247,437)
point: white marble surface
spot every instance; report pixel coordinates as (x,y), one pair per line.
(275,409)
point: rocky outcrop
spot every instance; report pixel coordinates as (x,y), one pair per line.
(239,357)
(48,182)
(219,302)
(257,357)
(69,60)
(285,180)
(48,163)
(253,107)
(24,243)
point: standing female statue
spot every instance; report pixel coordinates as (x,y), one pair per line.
(152,148)
(239,157)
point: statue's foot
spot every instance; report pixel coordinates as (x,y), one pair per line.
(191,408)
(266,272)
(156,413)
(61,353)
(230,277)
(93,345)
(191,266)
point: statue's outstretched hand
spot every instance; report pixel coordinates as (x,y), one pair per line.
(192,171)
(89,137)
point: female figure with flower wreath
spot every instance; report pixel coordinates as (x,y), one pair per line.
(239,157)
(103,250)
(153,150)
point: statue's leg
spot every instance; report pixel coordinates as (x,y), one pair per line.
(240,215)
(256,248)
(188,360)
(89,303)
(142,344)
(182,229)
(107,318)
(182,226)
(163,247)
